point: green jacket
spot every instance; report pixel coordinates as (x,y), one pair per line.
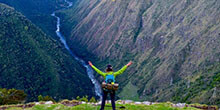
(110,73)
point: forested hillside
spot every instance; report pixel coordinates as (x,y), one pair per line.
(174,45)
(33,62)
(38,11)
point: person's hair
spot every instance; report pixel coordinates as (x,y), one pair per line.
(109,68)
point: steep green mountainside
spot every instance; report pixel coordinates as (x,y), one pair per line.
(174,45)
(38,11)
(33,62)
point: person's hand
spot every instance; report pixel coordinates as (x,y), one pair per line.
(90,63)
(129,63)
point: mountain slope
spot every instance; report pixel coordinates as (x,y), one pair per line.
(33,62)
(38,11)
(174,45)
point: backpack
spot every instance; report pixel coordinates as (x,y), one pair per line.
(108,85)
(109,79)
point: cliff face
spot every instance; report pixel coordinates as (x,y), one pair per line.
(174,44)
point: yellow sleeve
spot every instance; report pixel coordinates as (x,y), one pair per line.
(120,71)
(98,71)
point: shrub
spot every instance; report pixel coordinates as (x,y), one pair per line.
(40,98)
(77,98)
(45,98)
(84,98)
(92,100)
(12,96)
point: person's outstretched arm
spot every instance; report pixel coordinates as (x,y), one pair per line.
(96,69)
(122,69)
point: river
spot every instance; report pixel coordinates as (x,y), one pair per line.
(89,70)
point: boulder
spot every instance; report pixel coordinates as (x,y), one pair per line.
(180,105)
(137,103)
(37,103)
(49,102)
(127,101)
(146,103)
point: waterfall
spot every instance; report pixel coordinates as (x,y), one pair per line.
(188,83)
(171,81)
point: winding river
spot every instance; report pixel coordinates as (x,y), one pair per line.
(89,70)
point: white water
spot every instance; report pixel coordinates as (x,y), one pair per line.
(88,68)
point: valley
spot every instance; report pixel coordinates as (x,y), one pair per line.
(32,61)
(174,45)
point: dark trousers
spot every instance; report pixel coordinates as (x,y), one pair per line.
(104,97)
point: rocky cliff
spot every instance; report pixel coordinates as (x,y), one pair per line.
(174,45)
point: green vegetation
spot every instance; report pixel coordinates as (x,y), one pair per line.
(38,12)
(86,99)
(127,106)
(78,105)
(129,92)
(32,61)
(172,46)
(216,80)
(200,89)
(92,100)
(11,96)
(160,106)
(45,98)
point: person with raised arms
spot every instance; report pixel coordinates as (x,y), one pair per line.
(109,85)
